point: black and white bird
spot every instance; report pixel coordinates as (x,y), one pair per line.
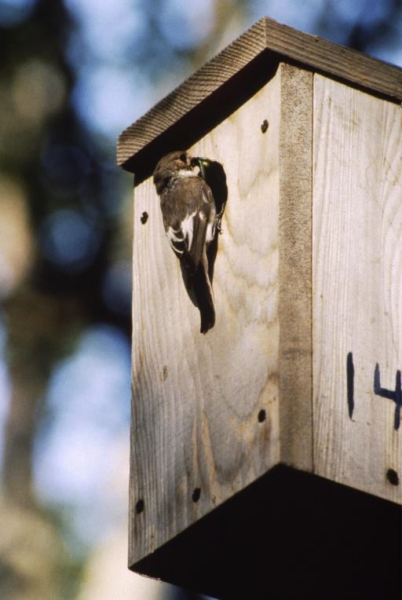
(191,224)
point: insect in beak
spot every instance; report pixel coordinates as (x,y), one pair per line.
(201,163)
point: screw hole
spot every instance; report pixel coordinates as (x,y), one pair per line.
(264,126)
(262,415)
(392,477)
(139,507)
(144,217)
(196,494)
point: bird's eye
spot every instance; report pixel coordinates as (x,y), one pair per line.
(183,157)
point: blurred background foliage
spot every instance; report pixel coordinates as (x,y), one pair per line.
(73,74)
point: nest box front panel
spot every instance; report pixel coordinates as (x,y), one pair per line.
(205,407)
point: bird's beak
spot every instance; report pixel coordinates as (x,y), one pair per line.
(195,162)
(201,163)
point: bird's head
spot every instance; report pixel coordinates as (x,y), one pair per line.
(172,165)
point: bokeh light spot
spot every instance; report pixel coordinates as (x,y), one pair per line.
(38,91)
(16,237)
(14,12)
(5,388)
(186,25)
(107,99)
(69,240)
(88,410)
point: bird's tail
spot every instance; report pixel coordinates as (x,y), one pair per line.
(203,293)
(199,288)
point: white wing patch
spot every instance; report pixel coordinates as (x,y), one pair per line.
(181,239)
(187,228)
(211,226)
(175,238)
(210,233)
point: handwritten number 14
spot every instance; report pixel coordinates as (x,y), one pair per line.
(395,396)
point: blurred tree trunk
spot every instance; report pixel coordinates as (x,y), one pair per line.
(31,550)
(38,326)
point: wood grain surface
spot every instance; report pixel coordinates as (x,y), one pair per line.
(357,282)
(303,366)
(295,272)
(259,50)
(198,435)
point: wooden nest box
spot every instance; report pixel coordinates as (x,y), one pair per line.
(241,438)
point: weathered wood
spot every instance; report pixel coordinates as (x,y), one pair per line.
(357,287)
(303,367)
(210,93)
(199,435)
(295,276)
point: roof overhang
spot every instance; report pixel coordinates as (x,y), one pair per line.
(234,75)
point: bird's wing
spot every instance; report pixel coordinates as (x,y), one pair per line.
(189,217)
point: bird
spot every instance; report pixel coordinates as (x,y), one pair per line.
(191,224)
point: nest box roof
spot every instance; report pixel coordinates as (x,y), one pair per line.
(232,77)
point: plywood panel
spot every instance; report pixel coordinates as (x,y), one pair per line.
(196,398)
(357,282)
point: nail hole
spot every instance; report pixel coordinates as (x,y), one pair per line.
(139,507)
(262,415)
(196,494)
(392,477)
(264,126)
(144,217)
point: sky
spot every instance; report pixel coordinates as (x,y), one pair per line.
(111,94)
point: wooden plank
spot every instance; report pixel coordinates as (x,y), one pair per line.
(357,282)
(254,55)
(197,400)
(295,271)
(335,60)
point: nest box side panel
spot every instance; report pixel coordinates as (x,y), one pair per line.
(205,407)
(357,286)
